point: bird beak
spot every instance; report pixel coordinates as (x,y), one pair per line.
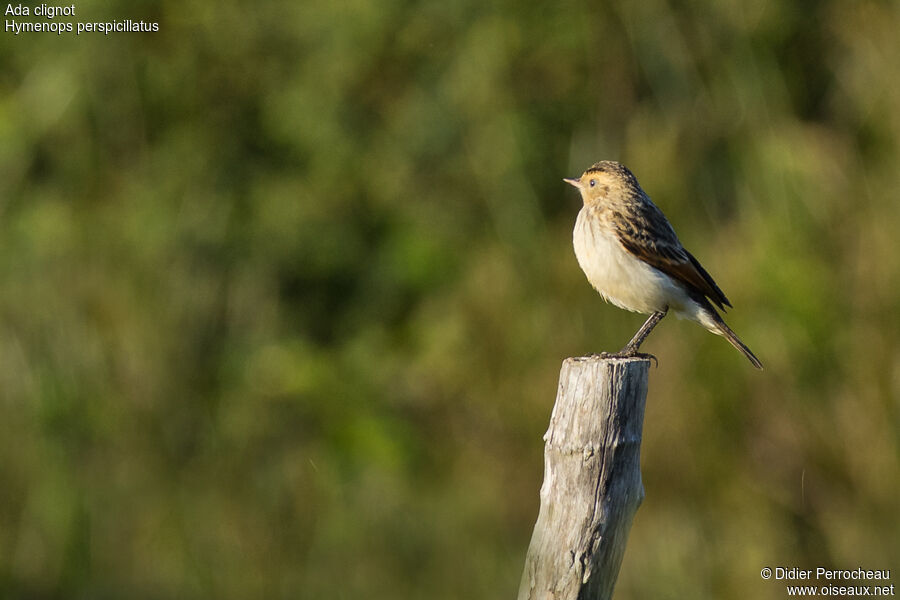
(575,182)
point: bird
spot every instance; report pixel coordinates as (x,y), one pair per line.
(633,258)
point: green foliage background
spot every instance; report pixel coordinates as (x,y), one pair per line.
(285,288)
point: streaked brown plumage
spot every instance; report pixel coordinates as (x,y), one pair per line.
(631,255)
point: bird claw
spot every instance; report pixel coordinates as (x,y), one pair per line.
(627,353)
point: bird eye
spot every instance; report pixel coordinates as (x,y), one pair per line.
(593,182)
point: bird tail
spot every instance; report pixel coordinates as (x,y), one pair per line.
(725,331)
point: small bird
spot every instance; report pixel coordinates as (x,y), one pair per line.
(631,255)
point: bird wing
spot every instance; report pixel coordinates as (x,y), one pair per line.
(647,234)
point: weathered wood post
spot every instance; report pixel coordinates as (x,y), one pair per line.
(592,480)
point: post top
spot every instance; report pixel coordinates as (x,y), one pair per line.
(599,358)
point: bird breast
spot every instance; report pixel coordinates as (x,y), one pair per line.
(619,276)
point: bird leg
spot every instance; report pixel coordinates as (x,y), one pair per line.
(642,333)
(631,348)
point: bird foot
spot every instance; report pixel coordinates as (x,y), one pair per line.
(628,353)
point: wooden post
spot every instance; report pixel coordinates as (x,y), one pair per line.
(592,480)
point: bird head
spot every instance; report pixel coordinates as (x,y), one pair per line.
(604,178)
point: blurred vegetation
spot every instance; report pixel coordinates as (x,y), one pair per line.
(285,288)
